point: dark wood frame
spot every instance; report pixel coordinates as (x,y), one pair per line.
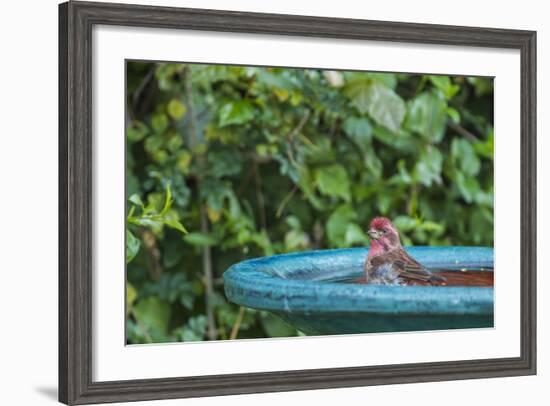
(76,20)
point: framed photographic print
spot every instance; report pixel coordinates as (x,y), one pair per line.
(259,202)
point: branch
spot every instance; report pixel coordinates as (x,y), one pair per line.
(245,180)
(412,203)
(205,226)
(300,125)
(260,196)
(208,277)
(153,253)
(142,328)
(462,131)
(141,87)
(285,201)
(237,325)
(291,135)
(193,139)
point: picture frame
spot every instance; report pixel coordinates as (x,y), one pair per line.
(76,352)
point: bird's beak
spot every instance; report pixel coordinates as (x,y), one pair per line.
(374,234)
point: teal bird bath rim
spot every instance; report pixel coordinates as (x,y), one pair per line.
(304,290)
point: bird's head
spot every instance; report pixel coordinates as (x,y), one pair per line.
(383,234)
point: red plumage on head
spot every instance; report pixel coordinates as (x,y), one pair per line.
(380,223)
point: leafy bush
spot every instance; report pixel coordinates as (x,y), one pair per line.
(259,161)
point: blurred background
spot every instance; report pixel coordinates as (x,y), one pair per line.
(226,163)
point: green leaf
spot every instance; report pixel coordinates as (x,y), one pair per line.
(428,168)
(160,156)
(293,222)
(195,329)
(136,131)
(174,142)
(355,235)
(226,162)
(453,114)
(215,193)
(478,226)
(486,148)
(235,112)
(432,227)
(402,175)
(385,107)
(402,141)
(132,246)
(136,200)
(357,90)
(465,157)
(337,224)
(200,239)
(405,223)
(183,160)
(482,86)
(274,80)
(468,186)
(154,315)
(175,224)
(333,181)
(172,253)
(381,103)
(167,200)
(444,84)
(275,327)
(262,240)
(383,202)
(307,183)
(131,296)
(427,115)
(359,130)
(173,288)
(373,163)
(159,122)
(176,109)
(296,240)
(388,79)
(149,222)
(153,142)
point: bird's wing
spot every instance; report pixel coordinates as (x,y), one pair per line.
(404,263)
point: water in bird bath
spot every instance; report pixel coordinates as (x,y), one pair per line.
(481,277)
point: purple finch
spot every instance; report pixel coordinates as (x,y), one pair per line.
(388,263)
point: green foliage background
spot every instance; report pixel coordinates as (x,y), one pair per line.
(226,163)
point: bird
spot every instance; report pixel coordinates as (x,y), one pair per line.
(388,263)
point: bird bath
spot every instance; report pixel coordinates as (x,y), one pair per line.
(305,290)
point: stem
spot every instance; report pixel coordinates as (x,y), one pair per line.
(289,137)
(421,85)
(300,125)
(205,226)
(412,203)
(142,97)
(142,328)
(138,92)
(318,233)
(260,196)
(462,131)
(153,254)
(237,325)
(285,201)
(245,180)
(193,141)
(208,277)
